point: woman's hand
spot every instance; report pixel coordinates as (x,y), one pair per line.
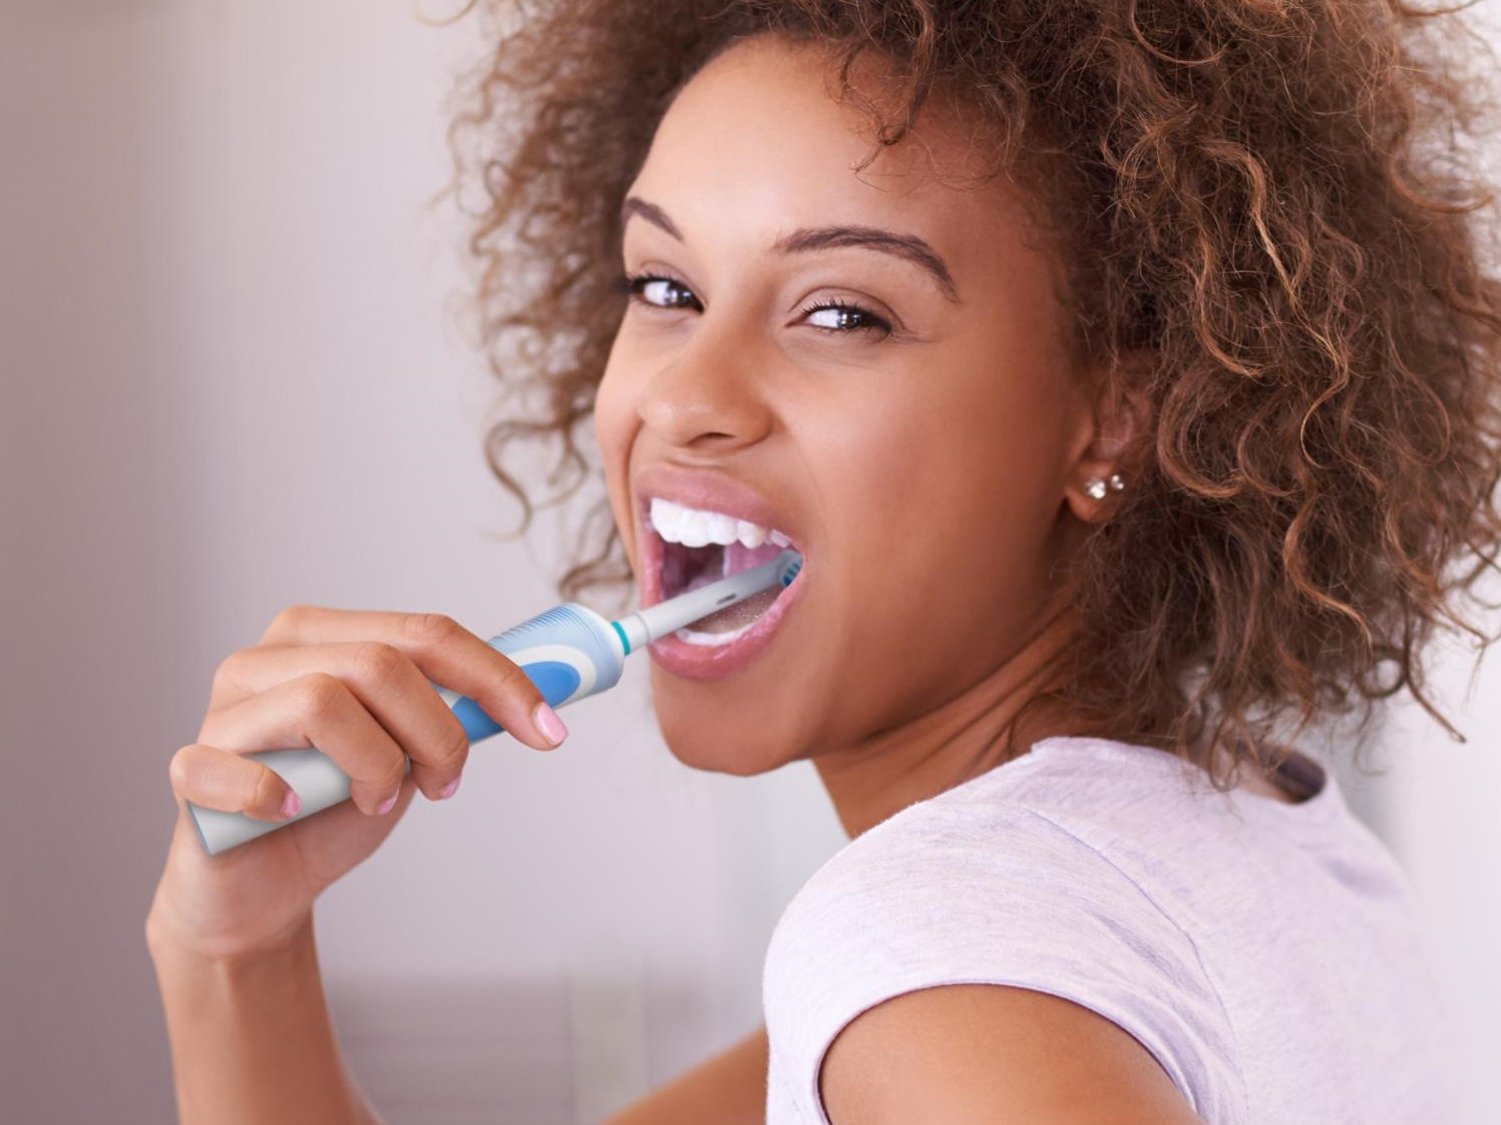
(355,685)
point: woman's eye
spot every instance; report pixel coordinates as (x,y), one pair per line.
(655,290)
(840,317)
(843,316)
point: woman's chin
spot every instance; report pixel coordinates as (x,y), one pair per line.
(705,746)
(711,728)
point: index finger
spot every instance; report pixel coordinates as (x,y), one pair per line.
(446,652)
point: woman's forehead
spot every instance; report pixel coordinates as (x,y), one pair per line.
(755,146)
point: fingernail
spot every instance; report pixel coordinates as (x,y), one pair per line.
(549,724)
(291,805)
(450,789)
(385,806)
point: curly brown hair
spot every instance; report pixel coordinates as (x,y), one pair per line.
(1271,196)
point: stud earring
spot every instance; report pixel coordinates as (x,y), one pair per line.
(1097,488)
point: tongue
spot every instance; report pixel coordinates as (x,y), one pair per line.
(738,557)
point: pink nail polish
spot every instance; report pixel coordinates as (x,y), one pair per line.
(291,805)
(450,789)
(549,724)
(388,804)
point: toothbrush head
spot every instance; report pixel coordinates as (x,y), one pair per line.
(638,629)
(790,567)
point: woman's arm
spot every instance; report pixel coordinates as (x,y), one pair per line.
(251,1036)
(960,1053)
(728,1089)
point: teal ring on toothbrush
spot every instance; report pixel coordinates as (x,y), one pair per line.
(625,641)
(569,652)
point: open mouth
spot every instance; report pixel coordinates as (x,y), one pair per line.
(688,568)
(688,548)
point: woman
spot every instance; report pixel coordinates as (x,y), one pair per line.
(1129,388)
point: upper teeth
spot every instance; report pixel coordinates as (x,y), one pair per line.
(694,527)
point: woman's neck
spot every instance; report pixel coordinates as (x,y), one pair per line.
(959,740)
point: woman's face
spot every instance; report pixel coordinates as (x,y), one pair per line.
(917,451)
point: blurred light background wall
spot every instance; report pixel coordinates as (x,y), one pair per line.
(231,380)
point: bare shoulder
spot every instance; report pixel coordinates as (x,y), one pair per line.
(983,1052)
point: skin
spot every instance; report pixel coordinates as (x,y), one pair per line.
(958,444)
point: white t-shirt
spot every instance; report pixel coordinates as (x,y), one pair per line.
(1265,953)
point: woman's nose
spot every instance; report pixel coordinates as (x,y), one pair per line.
(707,398)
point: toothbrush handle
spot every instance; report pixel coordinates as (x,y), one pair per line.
(568,652)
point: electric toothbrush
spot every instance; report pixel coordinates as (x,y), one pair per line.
(569,652)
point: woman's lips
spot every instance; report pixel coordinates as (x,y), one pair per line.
(709,662)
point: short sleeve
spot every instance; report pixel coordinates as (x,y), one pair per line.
(1009,898)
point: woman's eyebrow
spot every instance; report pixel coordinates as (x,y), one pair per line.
(908,247)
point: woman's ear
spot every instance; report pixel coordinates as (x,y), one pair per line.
(1116,425)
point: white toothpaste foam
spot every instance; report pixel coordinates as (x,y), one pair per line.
(693,637)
